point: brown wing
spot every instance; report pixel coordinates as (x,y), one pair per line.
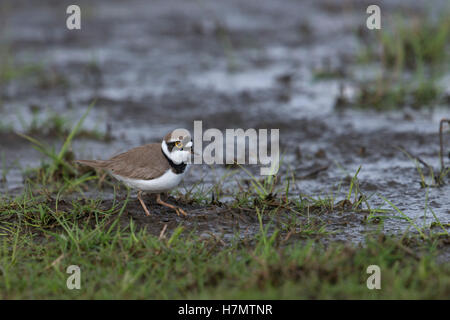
(146,162)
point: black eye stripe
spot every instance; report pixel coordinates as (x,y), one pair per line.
(170,146)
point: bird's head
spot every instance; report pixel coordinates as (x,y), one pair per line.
(177,146)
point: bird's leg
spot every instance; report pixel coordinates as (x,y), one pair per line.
(147,213)
(165,204)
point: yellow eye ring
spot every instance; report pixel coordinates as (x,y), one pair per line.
(178,144)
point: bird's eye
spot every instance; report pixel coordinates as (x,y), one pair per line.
(178,144)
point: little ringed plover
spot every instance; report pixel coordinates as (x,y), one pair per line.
(153,168)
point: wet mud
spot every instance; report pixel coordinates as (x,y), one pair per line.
(153,67)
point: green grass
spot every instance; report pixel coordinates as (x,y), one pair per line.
(10,70)
(386,94)
(59,169)
(410,43)
(412,56)
(420,42)
(291,256)
(41,234)
(33,73)
(436,178)
(50,124)
(327,72)
(123,262)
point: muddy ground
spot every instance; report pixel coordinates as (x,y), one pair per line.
(153,67)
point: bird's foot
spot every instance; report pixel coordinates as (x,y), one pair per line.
(165,204)
(179,210)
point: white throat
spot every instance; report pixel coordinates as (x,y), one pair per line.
(177,156)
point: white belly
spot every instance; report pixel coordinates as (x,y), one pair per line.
(167,181)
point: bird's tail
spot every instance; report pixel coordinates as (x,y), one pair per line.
(94,163)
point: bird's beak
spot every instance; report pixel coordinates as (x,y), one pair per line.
(189,145)
(192,152)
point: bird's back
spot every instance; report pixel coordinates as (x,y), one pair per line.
(145,162)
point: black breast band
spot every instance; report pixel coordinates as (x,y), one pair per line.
(176,168)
